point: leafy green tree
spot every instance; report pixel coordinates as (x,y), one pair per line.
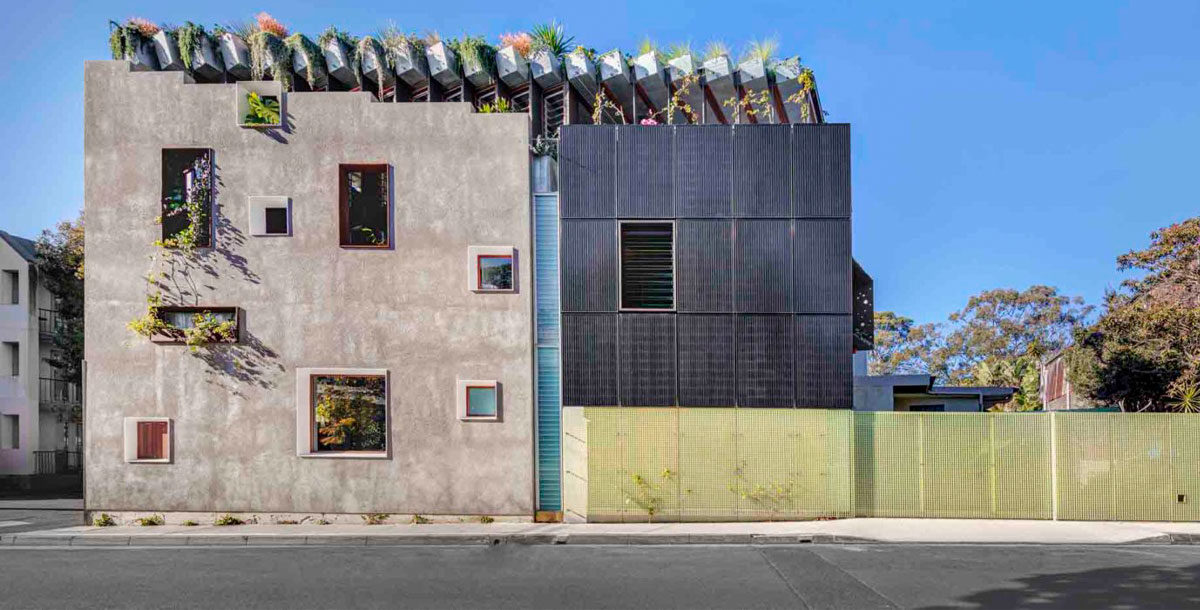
(1022,373)
(901,345)
(60,267)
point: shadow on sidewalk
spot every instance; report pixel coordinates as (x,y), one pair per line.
(1129,587)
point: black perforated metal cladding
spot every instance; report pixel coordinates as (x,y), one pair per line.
(706,360)
(589,354)
(647,359)
(864,309)
(822,266)
(587,172)
(704,175)
(824,365)
(645,166)
(764,363)
(763,266)
(761,171)
(589,265)
(821,170)
(704,274)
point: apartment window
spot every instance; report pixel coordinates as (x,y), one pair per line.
(12,286)
(221,322)
(349,413)
(647,265)
(478,399)
(147,439)
(365,210)
(492,268)
(270,216)
(12,358)
(10,431)
(187,195)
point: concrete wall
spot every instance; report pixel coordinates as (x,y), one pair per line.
(19,394)
(460,179)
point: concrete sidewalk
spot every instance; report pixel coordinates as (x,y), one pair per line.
(927,531)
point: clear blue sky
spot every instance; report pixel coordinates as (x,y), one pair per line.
(995,145)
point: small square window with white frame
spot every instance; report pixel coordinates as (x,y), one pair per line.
(478,399)
(270,216)
(148,440)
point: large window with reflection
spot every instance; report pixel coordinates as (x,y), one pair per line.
(365,206)
(349,413)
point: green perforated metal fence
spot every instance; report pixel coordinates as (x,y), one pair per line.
(722,464)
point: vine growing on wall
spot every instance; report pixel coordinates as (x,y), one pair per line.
(314,59)
(646,494)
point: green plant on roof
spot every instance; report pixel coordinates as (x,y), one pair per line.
(763,49)
(715,49)
(126,38)
(268,50)
(189,37)
(474,53)
(586,52)
(396,44)
(263,110)
(369,44)
(314,58)
(500,106)
(551,37)
(349,44)
(679,49)
(649,46)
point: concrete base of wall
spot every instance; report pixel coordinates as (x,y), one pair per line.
(64,485)
(208,518)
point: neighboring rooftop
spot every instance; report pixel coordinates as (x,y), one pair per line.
(25,247)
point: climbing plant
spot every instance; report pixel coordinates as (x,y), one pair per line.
(314,59)
(125,38)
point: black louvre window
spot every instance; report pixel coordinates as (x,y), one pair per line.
(277,221)
(647,265)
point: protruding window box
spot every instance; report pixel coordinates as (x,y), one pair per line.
(753,76)
(581,72)
(787,83)
(650,76)
(270,216)
(236,55)
(337,61)
(411,65)
(342,413)
(512,67)
(545,68)
(148,440)
(477,73)
(478,399)
(443,64)
(491,269)
(206,62)
(375,67)
(167,51)
(720,79)
(679,71)
(314,75)
(614,74)
(179,319)
(266,90)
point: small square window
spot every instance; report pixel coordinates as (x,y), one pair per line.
(478,400)
(365,206)
(148,439)
(270,216)
(342,413)
(260,104)
(492,269)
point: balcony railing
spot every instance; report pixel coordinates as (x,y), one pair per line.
(48,322)
(58,461)
(57,392)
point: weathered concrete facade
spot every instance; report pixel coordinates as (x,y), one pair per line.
(459,180)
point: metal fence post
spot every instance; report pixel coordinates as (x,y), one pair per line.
(1053,467)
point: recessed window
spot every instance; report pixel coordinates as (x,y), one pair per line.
(365,206)
(349,413)
(492,268)
(147,439)
(12,286)
(187,196)
(648,265)
(270,216)
(10,431)
(478,399)
(260,104)
(12,358)
(218,324)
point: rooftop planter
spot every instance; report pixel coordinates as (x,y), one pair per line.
(581,72)
(720,78)
(545,67)
(614,74)
(477,59)
(788,74)
(756,82)
(339,50)
(133,42)
(649,74)
(198,50)
(684,72)
(406,55)
(308,61)
(443,64)
(373,61)
(259,104)
(512,67)
(234,54)
(167,51)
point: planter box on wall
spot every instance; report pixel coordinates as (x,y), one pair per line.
(375,68)
(614,74)
(512,68)
(787,73)
(319,78)
(545,174)
(720,79)
(206,62)
(411,66)
(545,68)
(581,72)
(477,73)
(143,57)
(684,71)
(236,55)
(167,51)
(755,81)
(443,65)
(337,62)
(650,76)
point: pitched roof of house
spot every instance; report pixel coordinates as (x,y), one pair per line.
(25,247)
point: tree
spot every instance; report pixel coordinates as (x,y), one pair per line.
(61,268)
(901,345)
(1143,354)
(1022,373)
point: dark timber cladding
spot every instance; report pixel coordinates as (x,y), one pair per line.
(706,265)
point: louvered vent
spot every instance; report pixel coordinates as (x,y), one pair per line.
(647,265)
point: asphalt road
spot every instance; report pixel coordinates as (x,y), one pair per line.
(511,576)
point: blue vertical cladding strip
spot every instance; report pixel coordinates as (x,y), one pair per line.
(547,303)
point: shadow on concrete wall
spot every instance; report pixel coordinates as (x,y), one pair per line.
(235,366)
